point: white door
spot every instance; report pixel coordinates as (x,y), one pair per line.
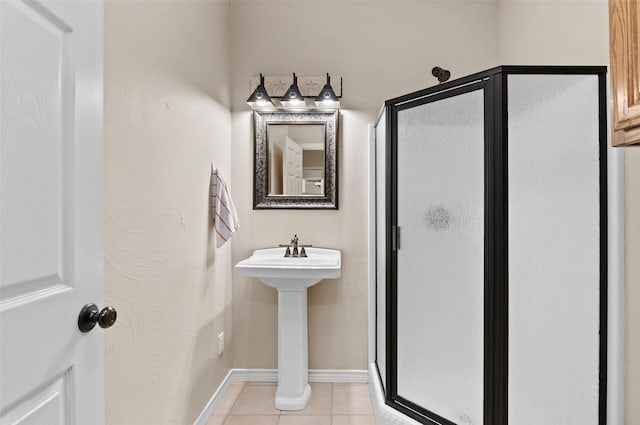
(51,71)
(292,168)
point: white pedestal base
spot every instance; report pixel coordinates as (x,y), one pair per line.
(293,356)
(293,403)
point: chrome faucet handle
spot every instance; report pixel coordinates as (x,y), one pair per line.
(287,253)
(294,245)
(303,253)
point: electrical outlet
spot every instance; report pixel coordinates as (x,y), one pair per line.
(220,343)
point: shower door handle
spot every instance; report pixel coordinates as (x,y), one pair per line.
(395,238)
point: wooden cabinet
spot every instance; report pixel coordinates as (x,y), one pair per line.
(624,41)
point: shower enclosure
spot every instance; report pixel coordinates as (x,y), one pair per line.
(491,249)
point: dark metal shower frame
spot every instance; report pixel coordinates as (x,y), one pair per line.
(493,83)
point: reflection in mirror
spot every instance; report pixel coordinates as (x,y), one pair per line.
(296,159)
(295,164)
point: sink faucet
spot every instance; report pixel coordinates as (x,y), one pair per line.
(294,249)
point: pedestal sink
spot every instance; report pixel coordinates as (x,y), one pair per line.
(291,276)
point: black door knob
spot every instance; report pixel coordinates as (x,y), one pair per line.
(90,316)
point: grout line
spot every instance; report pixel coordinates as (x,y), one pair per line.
(331,398)
(331,405)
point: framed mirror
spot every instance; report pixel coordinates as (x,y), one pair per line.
(296,160)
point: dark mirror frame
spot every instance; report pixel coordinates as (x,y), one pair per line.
(261,198)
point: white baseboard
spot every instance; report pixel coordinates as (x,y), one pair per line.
(315,375)
(339,376)
(214,400)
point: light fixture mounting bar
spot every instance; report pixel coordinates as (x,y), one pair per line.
(310,86)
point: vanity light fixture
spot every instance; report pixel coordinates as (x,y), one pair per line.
(327,97)
(293,99)
(297,94)
(260,99)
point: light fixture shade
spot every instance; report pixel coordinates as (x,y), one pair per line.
(260,99)
(327,97)
(293,99)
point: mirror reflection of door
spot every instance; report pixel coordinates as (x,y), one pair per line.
(296,159)
(292,167)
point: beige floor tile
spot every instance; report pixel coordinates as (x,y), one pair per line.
(215,420)
(229,398)
(351,399)
(256,400)
(353,420)
(305,420)
(251,420)
(319,403)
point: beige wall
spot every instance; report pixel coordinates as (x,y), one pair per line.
(554,32)
(576,33)
(166,119)
(382,49)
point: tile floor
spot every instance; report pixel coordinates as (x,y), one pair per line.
(252,403)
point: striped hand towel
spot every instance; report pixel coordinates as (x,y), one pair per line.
(225,219)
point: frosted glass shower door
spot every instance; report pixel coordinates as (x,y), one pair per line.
(556,253)
(491,213)
(440,256)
